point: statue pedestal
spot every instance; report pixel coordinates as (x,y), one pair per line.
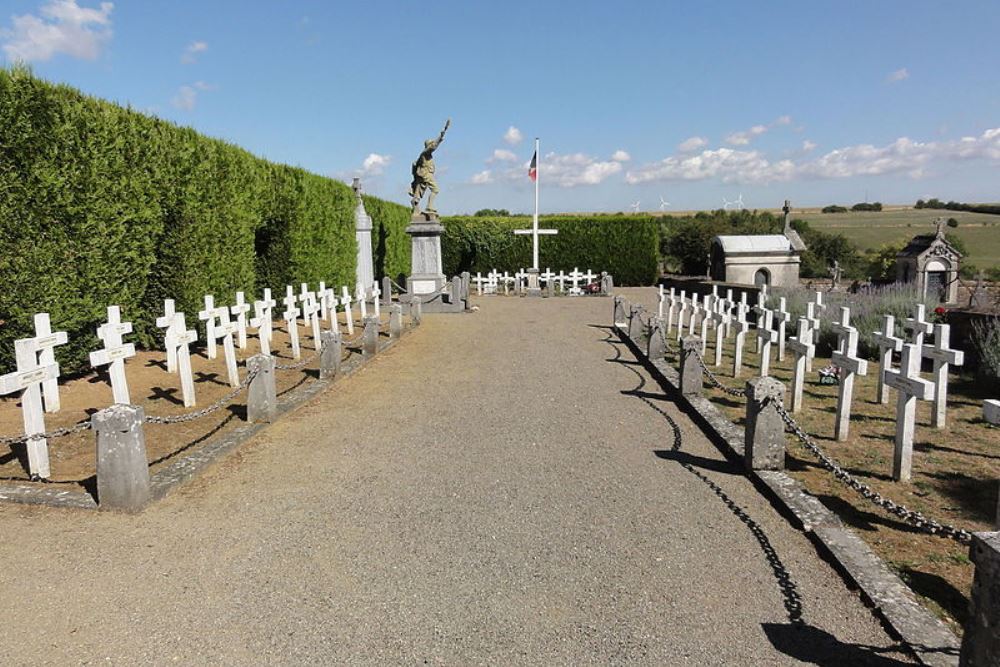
(426,272)
(534,289)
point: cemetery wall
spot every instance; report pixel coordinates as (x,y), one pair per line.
(102,205)
(627,247)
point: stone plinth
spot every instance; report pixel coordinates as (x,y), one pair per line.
(426,271)
(764,444)
(534,287)
(122,466)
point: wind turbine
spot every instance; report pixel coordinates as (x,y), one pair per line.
(635,206)
(736,203)
(664,204)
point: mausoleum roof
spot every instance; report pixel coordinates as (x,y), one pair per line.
(754,243)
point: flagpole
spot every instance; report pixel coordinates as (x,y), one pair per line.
(534,245)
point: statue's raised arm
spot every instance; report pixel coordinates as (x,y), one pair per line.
(447,124)
(423,174)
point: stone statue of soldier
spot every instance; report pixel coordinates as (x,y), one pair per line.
(423,174)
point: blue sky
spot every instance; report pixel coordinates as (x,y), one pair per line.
(694,102)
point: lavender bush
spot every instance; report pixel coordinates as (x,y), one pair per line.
(986,340)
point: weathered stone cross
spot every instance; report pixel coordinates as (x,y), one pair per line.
(759,311)
(706,321)
(45,343)
(680,316)
(166,321)
(887,344)
(114,353)
(177,340)
(918,325)
(310,312)
(782,317)
(766,336)
(814,323)
(27,379)
(225,330)
(291,316)
(321,297)
(240,310)
(695,312)
(847,360)
(741,334)
(345,298)
(910,387)
(359,296)
(376,293)
(331,297)
(262,320)
(802,347)
(208,316)
(943,356)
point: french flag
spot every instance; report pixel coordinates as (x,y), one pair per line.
(533,167)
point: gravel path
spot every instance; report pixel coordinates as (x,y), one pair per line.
(504,487)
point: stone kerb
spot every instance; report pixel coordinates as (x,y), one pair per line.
(764,443)
(122,467)
(692,377)
(262,400)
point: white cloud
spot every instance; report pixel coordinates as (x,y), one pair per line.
(186,98)
(899,75)
(503,155)
(374,164)
(568,171)
(808,146)
(620,156)
(725,164)
(64,27)
(692,144)
(745,137)
(783,120)
(483,177)
(191,51)
(513,136)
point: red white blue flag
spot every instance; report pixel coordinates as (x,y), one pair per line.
(533,167)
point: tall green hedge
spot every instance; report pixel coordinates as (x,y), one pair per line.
(624,246)
(101,205)
(390,243)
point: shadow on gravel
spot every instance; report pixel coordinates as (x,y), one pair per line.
(796,638)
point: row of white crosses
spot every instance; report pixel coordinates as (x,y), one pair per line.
(494,281)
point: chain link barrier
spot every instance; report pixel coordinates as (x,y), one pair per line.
(54,433)
(197,414)
(911,517)
(714,381)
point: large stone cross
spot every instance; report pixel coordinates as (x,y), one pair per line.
(115,353)
(887,344)
(943,357)
(28,379)
(291,316)
(910,388)
(847,360)
(45,342)
(803,349)
(766,337)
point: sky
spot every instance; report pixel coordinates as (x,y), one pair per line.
(691,103)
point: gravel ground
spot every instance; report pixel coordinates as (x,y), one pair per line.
(503,487)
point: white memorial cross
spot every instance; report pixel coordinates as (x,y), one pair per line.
(706,321)
(680,316)
(310,312)
(910,388)
(721,318)
(759,311)
(240,310)
(305,296)
(671,310)
(766,336)
(887,344)
(814,323)
(225,330)
(918,325)
(741,334)
(589,277)
(535,233)
(728,305)
(177,340)
(782,317)
(45,343)
(114,353)
(847,360)
(345,298)
(659,312)
(291,316)
(575,277)
(561,279)
(802,347)
(359,296)
(258,322)
(546,276)
(208,316)
(376,293)
(27,379)
(943,357)
(321,297)
(166,321)
(695,311)
(479,283)
(492,281)
(331,296)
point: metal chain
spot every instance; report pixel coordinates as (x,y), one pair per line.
(54,433)
(911,517)
(197,414)
(300,364)
(714,381)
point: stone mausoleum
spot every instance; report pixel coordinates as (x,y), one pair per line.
(932,263)
(758,259)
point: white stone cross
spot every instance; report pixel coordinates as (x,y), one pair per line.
(910,387)
(682,311)
(305,295)
(479,283)
(331,297)
(546,276)
(575,277)
(114,353)
(376,293)
(225,330)
(321,297)
(766,336)
(310,312)
(359,296)
(943,357)
(166,321)
(814,324)
(695,312)
(27,379)
(589,277)
(291,316)
(887,344)
(45,343)
(208,316)
(706,321)
(847,360)
(659,312)
(262,320)
(721,318)
(917,325)
(728,305)
(240,310)
(345,298)
(671,310)
(741,334)
(782,317)
(177,340)
(802,347)
(759,311)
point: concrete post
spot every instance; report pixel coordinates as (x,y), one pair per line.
(981,642)
(607,283)
(456,290)
(466,287)
(764,439)
(369,339)
(395,322)
(550,288)
(620,319)
(635,327)
(386,295)
(656,349)
(122,466)
(691,374)
(329,358)
(416,310)
(262,399)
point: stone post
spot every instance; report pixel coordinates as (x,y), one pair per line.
(764,443)
(620,318)
(395,322)
(416,310)
(369,338)
(122,467)
(262,399)
(607,283)
(386,294)
(550,288)
(329,359)
(635,327)
(656,349)
(691,374)
(981,643)
(466,286)
(456,290)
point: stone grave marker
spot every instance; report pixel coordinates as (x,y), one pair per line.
(177,340)
(918,326)
(321,298)
(681,312)
(759,312)
(802,347)
(28,379)
(225,329)
(847,360)
(910,388)
(166,321)
(659,311)
(721,317)
(240,311)
(310,312)
(887,344)
(729,304)
(361,299)
(695,313)
(766,337)
(741,333)
(943,357)
(345,299)
(376,293)
(671,310)
(331,297)
(208,317)
(305,296)
(115,353)
(814,326)
(291,316)
(45,343)
(782,317)
(706,321)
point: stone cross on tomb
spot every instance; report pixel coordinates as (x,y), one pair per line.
(208,317)
(887,344)
(45,343)
(376,293)
(943,357)
(166,321)
(681,312)
(917,325)
(345,299)
(721,318)
(802,347)
(321,298)
(291,316)
(240,311)
(847,360)
(310,313)
(706,321)
(27,380)
(331,297)
(695,313)
(782,317)
(177,340)
(741,333)
(115,353)
(225,330)
(766,337)
(910,388)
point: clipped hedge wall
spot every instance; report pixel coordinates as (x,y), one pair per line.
(101,205)
(390,243)
(625,246)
